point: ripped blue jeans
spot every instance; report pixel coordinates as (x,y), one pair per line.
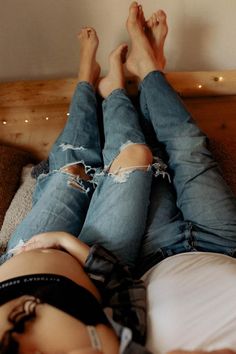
(195,212)
(114,213)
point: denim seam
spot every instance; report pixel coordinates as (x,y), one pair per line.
(190,236)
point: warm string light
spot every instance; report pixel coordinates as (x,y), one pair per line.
(4,122)
(217,78)
(200,86)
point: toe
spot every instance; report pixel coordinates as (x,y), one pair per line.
(91,32)
(154,20)
(83,33)
(87,32)
(141,15)
(133,11)
(161,16)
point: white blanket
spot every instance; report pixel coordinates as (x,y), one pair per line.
(192,303)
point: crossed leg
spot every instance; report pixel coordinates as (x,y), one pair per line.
(200,213)
(62,196)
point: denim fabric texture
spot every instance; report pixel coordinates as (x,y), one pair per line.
(197,211)
(115,214)
(140,218)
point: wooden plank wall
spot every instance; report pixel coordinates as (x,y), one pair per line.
(32,113)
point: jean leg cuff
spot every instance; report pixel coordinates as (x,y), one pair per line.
(115,92)
(85,84)
(157,74)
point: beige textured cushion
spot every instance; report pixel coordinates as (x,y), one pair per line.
(12,161)
(21,204)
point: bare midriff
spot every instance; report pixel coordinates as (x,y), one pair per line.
(52,261)
(47,261)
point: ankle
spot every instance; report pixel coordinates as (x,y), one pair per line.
(146,68)
(85,78)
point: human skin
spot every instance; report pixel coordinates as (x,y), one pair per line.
(51,253)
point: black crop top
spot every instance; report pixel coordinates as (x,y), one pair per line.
(58,291)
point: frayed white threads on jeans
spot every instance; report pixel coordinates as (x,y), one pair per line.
(65,147)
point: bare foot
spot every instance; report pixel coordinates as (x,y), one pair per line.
(89,69)
(156,30)
(115,77)
(141,59)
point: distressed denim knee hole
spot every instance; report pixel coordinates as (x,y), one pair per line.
(121,175)
(158,168)
(131,156)
(80,175)
(78,184)
(77,169)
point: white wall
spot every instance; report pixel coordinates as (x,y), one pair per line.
(38,37)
